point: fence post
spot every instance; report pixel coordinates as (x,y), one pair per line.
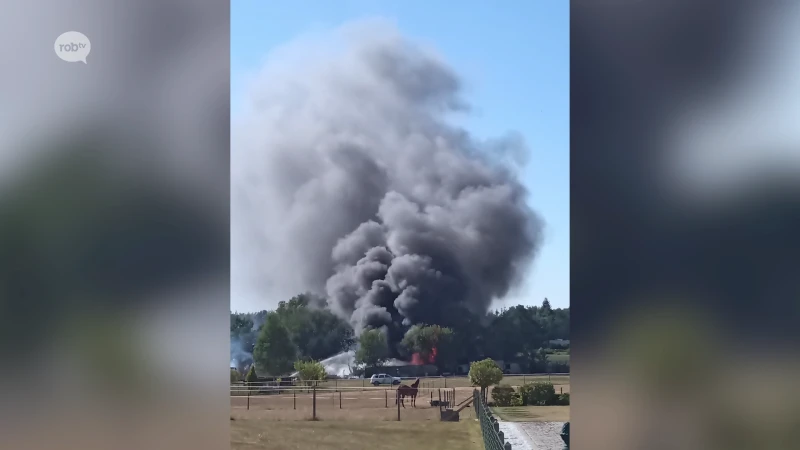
(507,446)
(386,397)
(398,406)
(248,399)
(314,404)
(340,399)
(294,398)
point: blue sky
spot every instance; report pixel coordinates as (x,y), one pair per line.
(514,60)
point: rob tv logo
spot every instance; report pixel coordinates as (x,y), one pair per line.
(72,46)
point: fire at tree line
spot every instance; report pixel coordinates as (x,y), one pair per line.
(527,339)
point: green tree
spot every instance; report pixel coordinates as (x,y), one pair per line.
(252,376)
(546,309)
(373,349)
(274,351)
(432,343)
(315,332)
(235,376)
(310,371)
(484,374)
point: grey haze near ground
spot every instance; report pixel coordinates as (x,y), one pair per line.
(350,181)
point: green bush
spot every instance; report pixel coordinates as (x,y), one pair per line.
(563,399)
(502,395)
(516,400)
(540,393)
(310,371)
(235,376)
(251,377)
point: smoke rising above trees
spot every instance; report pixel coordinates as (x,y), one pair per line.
(351,182)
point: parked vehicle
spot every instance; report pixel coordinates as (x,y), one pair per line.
(382,378)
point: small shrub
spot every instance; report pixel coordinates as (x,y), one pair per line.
(235,376)
(310,372)
(540,393)
(502,394)
(251,377)
(516,400)
(563,399)
(524,393)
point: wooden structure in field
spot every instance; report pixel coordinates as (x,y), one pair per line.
(449,410)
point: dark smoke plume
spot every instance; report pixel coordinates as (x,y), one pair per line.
(354,184)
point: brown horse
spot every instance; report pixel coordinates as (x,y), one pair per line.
(404,391)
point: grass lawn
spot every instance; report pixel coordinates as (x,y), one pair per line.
(255,434)
(533,413)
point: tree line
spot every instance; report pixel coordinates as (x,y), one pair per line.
(302,330)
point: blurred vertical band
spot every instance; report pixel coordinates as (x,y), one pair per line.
(684,201)
(114,226)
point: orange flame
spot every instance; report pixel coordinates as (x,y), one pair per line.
(418,360)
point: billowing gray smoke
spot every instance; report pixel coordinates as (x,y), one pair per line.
(353,183)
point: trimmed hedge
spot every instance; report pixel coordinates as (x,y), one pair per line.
(502,395)
(540,393)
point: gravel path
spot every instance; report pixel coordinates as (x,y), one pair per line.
(543,435)
(533,435)
(516,436)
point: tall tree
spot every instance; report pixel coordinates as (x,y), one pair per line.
(373,348)
(546,308)
(274,351)
(315,332)
(433,344)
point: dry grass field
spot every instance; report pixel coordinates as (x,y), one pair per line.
(373,405)
(364,422)
(253,433)
(367,417)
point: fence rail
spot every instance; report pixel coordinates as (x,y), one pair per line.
(493,438)
(322,399)
(364,382)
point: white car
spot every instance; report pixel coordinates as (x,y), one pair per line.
(382,378)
